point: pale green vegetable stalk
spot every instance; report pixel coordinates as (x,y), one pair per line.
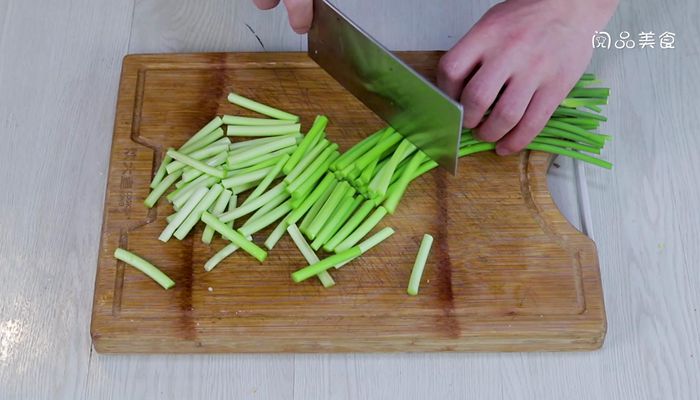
(389,139)
(309,255)
(307,160)
(255,167)
(570,153)
(261,108)
(276,234)
(316,207)
(316,130)
(221,255)
(477,148)
(267,219)
(209,151)
(325,264)
(372,241)
(243,188)
(158,191)
(182,214)
(419,265)
(561,134)
(341,214)
(271,204)
(217,209)
(397,190)
(160,173)
(206,129)
(326,211)
(253,131)
(253,205)
(251,153)
(203,142)
(271,175)
(566,144)
(191,174)
(238,180)
(593,138)
(185,187)
(235,237)
(357,151)
(349,226)
(248,121)
(313,144)
(362,230)
(588,103)
(239,146)
(196,164)
(144,266)
(259,162)
(381,181)
(302,191)
(302,245)
(182,182)
(570,112)
(313,198)
(196,213)
(367,174)
(315,165)
(170,217)
(232,202)
(180,200)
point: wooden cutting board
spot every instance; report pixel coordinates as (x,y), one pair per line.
(507,272)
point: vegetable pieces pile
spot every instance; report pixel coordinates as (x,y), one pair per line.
(304,185)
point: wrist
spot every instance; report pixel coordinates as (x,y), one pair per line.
(587,15)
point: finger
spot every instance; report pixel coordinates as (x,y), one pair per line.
(301,13)
(266,4)
(544,102)
(458,64)
(481,91)
(509,109)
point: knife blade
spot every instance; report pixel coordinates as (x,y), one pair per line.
(386,85)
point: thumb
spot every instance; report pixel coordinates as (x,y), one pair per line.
(266,4)
(301,13)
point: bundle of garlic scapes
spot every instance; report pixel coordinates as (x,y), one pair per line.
(303,183)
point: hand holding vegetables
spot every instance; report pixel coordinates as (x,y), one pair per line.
(520,60)
(514,66)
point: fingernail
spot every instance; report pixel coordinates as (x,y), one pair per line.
(502,150)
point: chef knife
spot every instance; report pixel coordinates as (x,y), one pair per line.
(386,85)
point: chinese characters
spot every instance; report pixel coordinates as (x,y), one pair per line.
(625,40)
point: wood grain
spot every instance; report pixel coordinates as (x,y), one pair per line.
(508,272)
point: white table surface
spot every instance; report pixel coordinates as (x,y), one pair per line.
(59,73)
